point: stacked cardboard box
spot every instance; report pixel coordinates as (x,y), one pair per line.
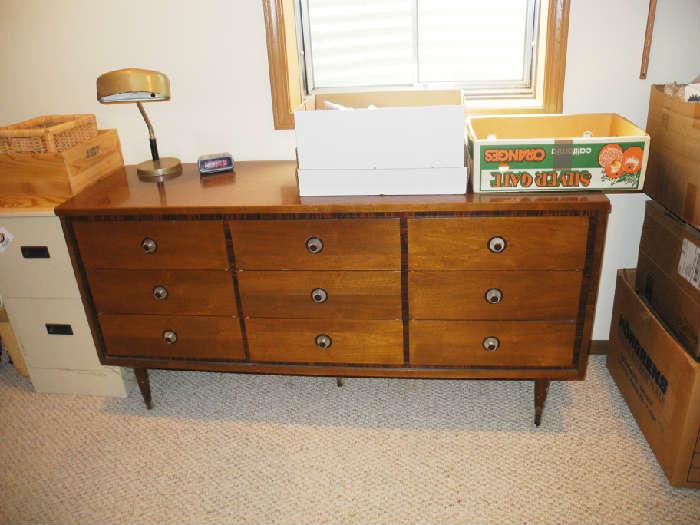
(655,332)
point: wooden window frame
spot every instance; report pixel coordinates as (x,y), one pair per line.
(285,71)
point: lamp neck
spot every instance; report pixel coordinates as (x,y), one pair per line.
(151,133)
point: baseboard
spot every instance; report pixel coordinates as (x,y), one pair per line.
(598,347)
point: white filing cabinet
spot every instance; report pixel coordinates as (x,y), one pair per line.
(45,310)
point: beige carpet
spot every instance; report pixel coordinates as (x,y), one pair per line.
(221,448)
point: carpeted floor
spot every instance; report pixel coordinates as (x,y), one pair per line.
(221,448)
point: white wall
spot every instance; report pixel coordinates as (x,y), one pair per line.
(606,38)
(214,53)
(51,52)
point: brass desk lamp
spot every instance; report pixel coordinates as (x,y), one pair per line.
(141,85)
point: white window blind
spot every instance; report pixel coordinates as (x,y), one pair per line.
(479,45)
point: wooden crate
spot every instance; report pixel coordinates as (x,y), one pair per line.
(54,177)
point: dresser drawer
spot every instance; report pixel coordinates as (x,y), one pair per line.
(53,333)
(36,263)
(519,243)
(152,336)
(325,341)
(184,292)
(195,245)
(492,343)
(516,295)
(320,244)
(321,294)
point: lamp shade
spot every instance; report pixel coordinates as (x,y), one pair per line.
(132,85)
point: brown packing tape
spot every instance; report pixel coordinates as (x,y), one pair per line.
(691,193)
(563,155)
(665,118)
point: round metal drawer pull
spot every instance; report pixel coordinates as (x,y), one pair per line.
(149,245)
(323,341)
(491,344)
(160,293)
(169,337)
(497,244)
(314,245)
(319,295)
(494,296)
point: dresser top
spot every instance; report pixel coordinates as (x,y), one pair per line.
(271,187)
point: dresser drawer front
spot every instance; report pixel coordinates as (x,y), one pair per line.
(512,344)
(321,294)
(193,245)
(519,243)
(196,337)
(301,341)
(321,244)
(489,295)
(36,263)
(53,333)
(184,292)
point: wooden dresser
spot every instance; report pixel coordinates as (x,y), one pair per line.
(237,273)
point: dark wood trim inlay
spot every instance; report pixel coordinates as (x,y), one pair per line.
(236,290)
(404,288)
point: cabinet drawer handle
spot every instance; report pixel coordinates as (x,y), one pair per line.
(323,341)
(319,295)
(169,337)
(491,344)
(35,252)
(314,245)
(149,245)
(160,293)
(493,296)
(59,329)
(497,244)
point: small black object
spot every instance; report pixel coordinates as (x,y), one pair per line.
(35,252)
(59,329)
(215,163)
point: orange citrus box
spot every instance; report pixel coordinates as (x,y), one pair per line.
(513,153)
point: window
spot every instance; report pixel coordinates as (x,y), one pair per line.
(506,55)
(484,47)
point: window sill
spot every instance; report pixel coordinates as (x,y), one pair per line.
(496,106)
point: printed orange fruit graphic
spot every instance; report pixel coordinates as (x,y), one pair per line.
(610,158)
(632,160)
(609,153)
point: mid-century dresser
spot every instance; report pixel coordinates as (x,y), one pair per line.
(237,273)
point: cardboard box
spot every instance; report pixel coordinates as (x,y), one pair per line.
(417,148)
(659,381)
(673,176)
(668,273)
(513,153)
(55,177)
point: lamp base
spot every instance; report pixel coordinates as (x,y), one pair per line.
(159,170)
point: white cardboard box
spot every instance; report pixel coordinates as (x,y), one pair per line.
(414,148)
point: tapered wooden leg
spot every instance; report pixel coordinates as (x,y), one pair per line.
(541,389)
(339,381)
(144,385)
